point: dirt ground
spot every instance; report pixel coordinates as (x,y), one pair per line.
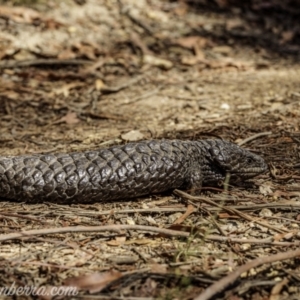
(86,74)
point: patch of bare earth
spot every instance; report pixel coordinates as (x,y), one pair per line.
(88,74)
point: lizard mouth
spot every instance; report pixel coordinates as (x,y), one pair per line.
(249,174)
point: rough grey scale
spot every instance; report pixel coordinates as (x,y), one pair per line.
(125,171)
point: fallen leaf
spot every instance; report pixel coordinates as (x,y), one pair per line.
(189,42)
(118,241)
(140,242)
(94,282)
(85,50)
(123,259)
(190,209)
(230,62)
(20,14)
(225,106)
(157,62)
(287,36)
(289,236)
(99,84)
(159,268)
(265,212)
(234,23)
(113,243)
(65,89)
(286,236)
(66,54)
(265,189)
(132,136)
(222,49)
(195,43)
(151,220)
(130,221)
(70,118)
(277,288)
(190,61)
(227,216)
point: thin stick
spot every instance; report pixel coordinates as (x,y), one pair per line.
(115,89)
(7,214)
(229,210)
(253,137)
(289,205)
(220,285)
(10,64)
(118,228)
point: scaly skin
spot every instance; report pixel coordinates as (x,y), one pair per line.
(125,171)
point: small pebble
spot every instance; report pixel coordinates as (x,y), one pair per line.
(265,212)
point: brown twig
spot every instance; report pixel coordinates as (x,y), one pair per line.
(23,217)
(118,228)
(220,285)
(136,21)
(80,212)
(268,241)
(229,210)
(253,137)
(292,205)
(190,209)
(10,64)
(114,89)
(213,220)
(289,205)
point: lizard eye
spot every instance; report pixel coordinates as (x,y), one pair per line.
(249,160)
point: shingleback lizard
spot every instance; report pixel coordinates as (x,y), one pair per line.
(125,171)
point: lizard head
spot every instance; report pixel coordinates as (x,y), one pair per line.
(239,163)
